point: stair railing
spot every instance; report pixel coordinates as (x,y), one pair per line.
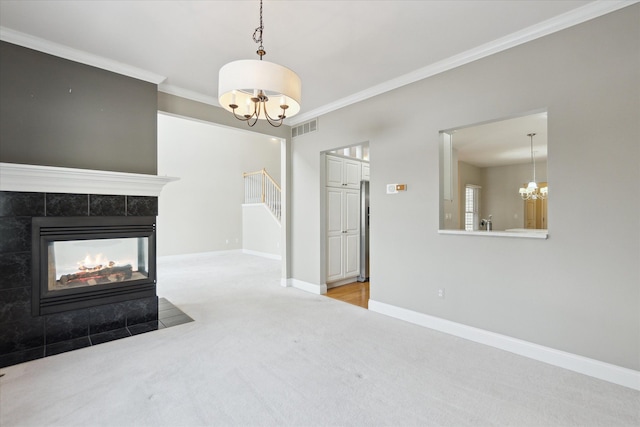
(259,187)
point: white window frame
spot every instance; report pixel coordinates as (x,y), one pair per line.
(472,207)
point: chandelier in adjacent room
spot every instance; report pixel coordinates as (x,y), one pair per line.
(254,89)
(532,191)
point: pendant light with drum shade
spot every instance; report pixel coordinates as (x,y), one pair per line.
(253,89)
(531,191)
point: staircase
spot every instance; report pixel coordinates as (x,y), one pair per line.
(259,187)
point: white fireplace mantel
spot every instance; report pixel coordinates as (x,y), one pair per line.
(50,179)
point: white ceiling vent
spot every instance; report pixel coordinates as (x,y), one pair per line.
(307,127)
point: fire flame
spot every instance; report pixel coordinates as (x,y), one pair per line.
(94,264)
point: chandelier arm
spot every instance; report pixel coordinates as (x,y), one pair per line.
(246,118)
(275,124)
(535,195)
(255,115)
(272,120)
(241,118)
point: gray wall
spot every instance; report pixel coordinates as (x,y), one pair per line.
(583,294)
(57,112)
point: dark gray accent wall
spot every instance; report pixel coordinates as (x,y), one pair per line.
(56,112)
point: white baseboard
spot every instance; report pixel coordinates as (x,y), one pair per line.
(584,365)
(262,254)
(306,286)
(195,254)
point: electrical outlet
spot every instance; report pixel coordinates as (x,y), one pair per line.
(441,293)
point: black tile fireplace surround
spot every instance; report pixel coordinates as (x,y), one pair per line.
(25,337)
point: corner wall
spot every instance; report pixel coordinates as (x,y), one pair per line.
(583,294)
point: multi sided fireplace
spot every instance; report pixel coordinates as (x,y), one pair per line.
(79,262)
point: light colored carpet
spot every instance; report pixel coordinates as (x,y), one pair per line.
(259,354)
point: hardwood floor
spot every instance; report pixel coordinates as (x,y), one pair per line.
(356,293)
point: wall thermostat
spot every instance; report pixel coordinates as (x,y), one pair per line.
(394,188)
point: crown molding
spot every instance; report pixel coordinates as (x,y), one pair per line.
(188,94)
(550,26)
(62,51)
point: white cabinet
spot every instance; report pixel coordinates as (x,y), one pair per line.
(343,172)
(365,171)
(343,233)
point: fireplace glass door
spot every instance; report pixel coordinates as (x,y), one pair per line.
(77,263)
(80,262)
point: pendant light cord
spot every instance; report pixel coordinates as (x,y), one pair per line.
(257,36)
(533,158)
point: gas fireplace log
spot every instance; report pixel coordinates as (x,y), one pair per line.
(122,273)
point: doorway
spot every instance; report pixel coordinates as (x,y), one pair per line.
(210,161)
(345,174)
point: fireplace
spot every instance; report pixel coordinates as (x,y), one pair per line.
(80,262)
(53,298)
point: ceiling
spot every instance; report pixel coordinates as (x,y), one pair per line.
(344,51)
(502,142)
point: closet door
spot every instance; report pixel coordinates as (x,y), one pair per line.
(335,252)
(351,233)
(343,233)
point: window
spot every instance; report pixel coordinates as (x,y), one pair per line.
(471,207)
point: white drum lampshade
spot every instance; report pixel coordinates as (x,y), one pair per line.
(239,81)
